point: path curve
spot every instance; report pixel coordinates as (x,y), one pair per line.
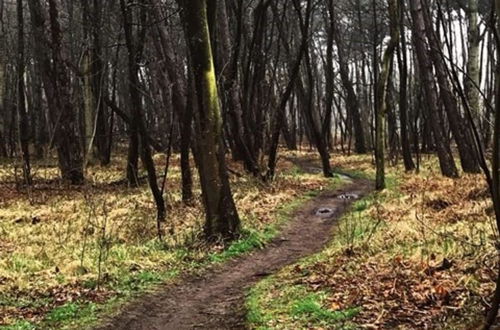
(216,299)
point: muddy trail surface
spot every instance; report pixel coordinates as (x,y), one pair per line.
(216,299)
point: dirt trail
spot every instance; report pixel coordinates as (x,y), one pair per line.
(215,300)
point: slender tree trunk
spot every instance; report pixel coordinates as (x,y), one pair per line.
(471,81)
(24,131)
(381,99)
(403,92)
(134,46)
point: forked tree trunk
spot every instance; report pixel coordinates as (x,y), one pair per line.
(134,47)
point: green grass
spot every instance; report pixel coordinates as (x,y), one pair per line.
(295,306)
(310,309)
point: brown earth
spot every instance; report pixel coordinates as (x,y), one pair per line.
(215,299)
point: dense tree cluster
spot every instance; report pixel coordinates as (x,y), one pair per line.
(211,77)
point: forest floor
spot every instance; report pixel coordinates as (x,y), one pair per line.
(69,255)
(419,255)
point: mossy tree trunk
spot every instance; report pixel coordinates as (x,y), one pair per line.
(222,220)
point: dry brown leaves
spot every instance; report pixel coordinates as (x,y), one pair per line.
(433,264)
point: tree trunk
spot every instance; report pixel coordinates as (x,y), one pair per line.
(403,92)
(222,220)
(56,82)
(24,131)
(381,92)
(446,161)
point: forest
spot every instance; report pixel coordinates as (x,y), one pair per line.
(249,164)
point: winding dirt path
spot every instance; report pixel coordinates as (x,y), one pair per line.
(215,300)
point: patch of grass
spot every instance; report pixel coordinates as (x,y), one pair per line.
(310,309)
(276,304)
(63,313)
(251,240)
(19,325)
